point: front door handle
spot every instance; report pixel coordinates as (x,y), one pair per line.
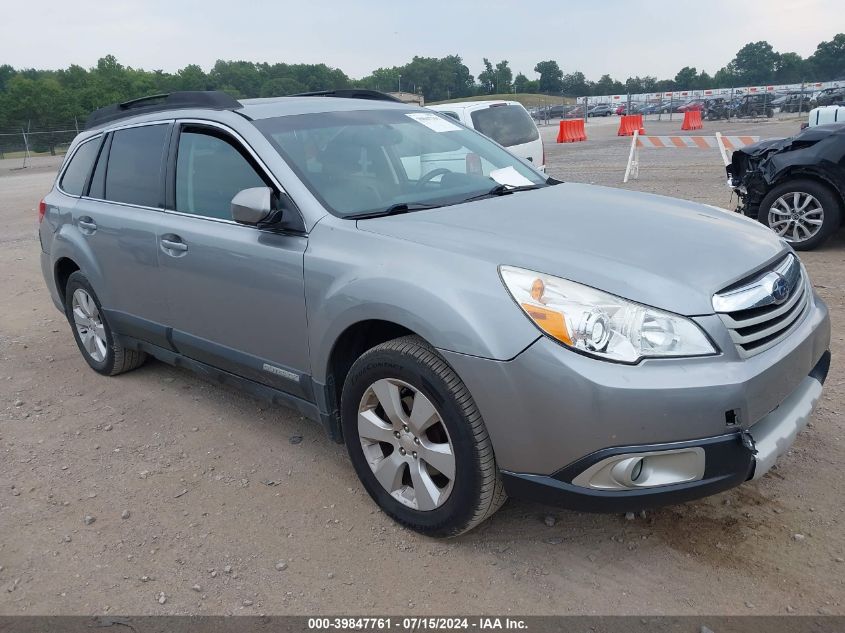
(86,225)
(173,245)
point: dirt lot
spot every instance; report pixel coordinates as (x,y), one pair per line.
(218,490)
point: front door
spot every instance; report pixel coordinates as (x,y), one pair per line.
(236,293)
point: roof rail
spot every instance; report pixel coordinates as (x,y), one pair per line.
(350,93)
(210,99)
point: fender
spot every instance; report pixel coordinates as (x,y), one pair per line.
(812,172)
(456,303)
(69,243)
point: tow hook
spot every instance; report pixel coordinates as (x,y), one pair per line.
(748,442)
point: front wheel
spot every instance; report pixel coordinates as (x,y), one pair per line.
(417,440)
(803,212)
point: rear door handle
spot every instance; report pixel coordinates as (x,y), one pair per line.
(86,225)
(173,245)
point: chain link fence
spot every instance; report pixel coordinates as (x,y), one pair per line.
(26,142)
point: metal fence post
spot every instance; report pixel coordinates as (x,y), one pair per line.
(26,148)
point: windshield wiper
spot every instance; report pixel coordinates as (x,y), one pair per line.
(396,209)
(501,190)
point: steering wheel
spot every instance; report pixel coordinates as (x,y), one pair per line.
(434,173)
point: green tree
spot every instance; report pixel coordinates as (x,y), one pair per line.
(829,59)
(606,85)
(487,77)
(6,73)
(755,63)
(436,78)
(520,83)
(574,84)
(726,77)
(551,76)
(191,77)
(281,86)
(238,77)
(504,77)
(790,68)
(38,104)
(687,78)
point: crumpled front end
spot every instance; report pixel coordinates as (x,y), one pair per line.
(815,152)
(751,172)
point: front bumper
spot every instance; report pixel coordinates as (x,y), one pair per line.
(730,460)
(549,411)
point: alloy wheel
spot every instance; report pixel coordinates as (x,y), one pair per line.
(89,325)
(796,216)
(406,444)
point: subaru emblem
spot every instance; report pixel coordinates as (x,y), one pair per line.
(780,289)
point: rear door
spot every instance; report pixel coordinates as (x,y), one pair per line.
(117,218)
(510,125)
(236,292)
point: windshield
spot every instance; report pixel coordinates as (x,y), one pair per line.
(508,125)
(367,161)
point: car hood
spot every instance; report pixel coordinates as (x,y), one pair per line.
(660,251)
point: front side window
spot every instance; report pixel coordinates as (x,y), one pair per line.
(76,174)
(368,161)
(134,172)
(508,125)
(209,172)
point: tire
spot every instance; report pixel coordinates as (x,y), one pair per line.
(99,348)
(415,369)
(778,206)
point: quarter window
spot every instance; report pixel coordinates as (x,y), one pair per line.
(76,174)
(209,172)
(135,163)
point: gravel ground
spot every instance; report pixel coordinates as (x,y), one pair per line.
(158,493)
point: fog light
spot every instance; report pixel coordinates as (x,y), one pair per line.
(638,470)
(630,471)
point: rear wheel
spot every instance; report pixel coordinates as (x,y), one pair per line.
(417,440)
(92,332)
(803,212)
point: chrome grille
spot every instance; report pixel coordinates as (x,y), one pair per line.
(756,316)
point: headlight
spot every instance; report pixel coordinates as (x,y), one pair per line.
(601,324)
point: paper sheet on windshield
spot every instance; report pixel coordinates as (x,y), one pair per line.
(509,177)
(433,121)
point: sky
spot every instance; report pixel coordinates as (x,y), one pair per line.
(622,38)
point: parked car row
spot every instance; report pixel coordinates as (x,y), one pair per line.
(563,111)
(711,107)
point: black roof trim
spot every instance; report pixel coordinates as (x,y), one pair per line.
(351,93)
(210,99)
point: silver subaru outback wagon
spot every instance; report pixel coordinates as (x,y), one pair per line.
(469,327)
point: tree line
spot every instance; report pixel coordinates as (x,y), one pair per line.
(44,99)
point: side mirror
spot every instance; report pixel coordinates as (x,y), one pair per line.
(252,206)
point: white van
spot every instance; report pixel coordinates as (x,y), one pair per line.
(826,114)
(506,122)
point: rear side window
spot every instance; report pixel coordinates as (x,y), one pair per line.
(135,162)
(209,172)
(76,174)
(508,125)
